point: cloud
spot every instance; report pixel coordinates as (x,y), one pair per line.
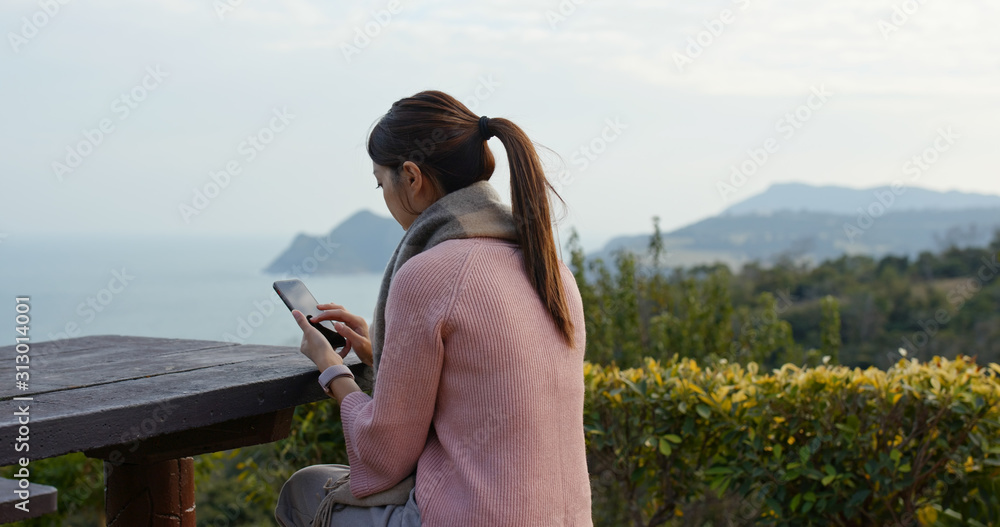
(559,76)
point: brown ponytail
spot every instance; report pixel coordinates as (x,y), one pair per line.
(530,204)
(441,135)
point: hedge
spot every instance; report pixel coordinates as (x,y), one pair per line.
(675,443)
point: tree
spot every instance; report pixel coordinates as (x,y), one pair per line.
(830,329)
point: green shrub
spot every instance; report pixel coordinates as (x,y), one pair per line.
(80,482)
(634,310)
(822,446)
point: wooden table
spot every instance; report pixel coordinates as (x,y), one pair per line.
(145,405)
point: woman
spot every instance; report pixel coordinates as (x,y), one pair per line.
(477,343)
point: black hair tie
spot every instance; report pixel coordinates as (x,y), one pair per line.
(484,128)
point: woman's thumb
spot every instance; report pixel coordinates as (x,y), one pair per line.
(300,319)
(347,332)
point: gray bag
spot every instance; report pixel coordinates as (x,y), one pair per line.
(339,492)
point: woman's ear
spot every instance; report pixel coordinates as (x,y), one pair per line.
(410,171)
(421,190)
(411,174)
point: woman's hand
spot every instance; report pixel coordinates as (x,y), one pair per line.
(315,345)
(351,327)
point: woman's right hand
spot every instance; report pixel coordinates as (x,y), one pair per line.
(351,327)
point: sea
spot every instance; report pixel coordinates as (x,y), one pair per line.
(205,288)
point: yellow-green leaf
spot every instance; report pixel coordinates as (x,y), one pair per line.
(665,447)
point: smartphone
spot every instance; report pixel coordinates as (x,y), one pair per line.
(295,295)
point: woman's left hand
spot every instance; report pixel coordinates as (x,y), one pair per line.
(315,345)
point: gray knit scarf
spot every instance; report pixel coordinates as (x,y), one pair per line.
(474,211)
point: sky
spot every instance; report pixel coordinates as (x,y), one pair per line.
(249,117)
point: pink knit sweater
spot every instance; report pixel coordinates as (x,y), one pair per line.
(478,391)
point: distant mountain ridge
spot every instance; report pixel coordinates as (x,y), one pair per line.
(842,200)
(789,220)
(816,236)
(812,223)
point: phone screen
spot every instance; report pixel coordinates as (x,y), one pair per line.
(295,295)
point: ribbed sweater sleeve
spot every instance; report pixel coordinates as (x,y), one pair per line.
(386,435)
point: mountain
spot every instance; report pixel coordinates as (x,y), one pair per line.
(362,243)
(807,223)
(789,220)
(842,200)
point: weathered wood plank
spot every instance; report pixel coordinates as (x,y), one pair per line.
(43,380)
(240,381)
(120,358)
(42,500)
(246,431)
(103,341)
(124,358)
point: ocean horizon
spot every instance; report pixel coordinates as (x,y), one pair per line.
(202,287)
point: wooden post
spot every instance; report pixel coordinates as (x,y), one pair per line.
(157,494)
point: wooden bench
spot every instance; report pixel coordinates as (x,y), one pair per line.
(41,500)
